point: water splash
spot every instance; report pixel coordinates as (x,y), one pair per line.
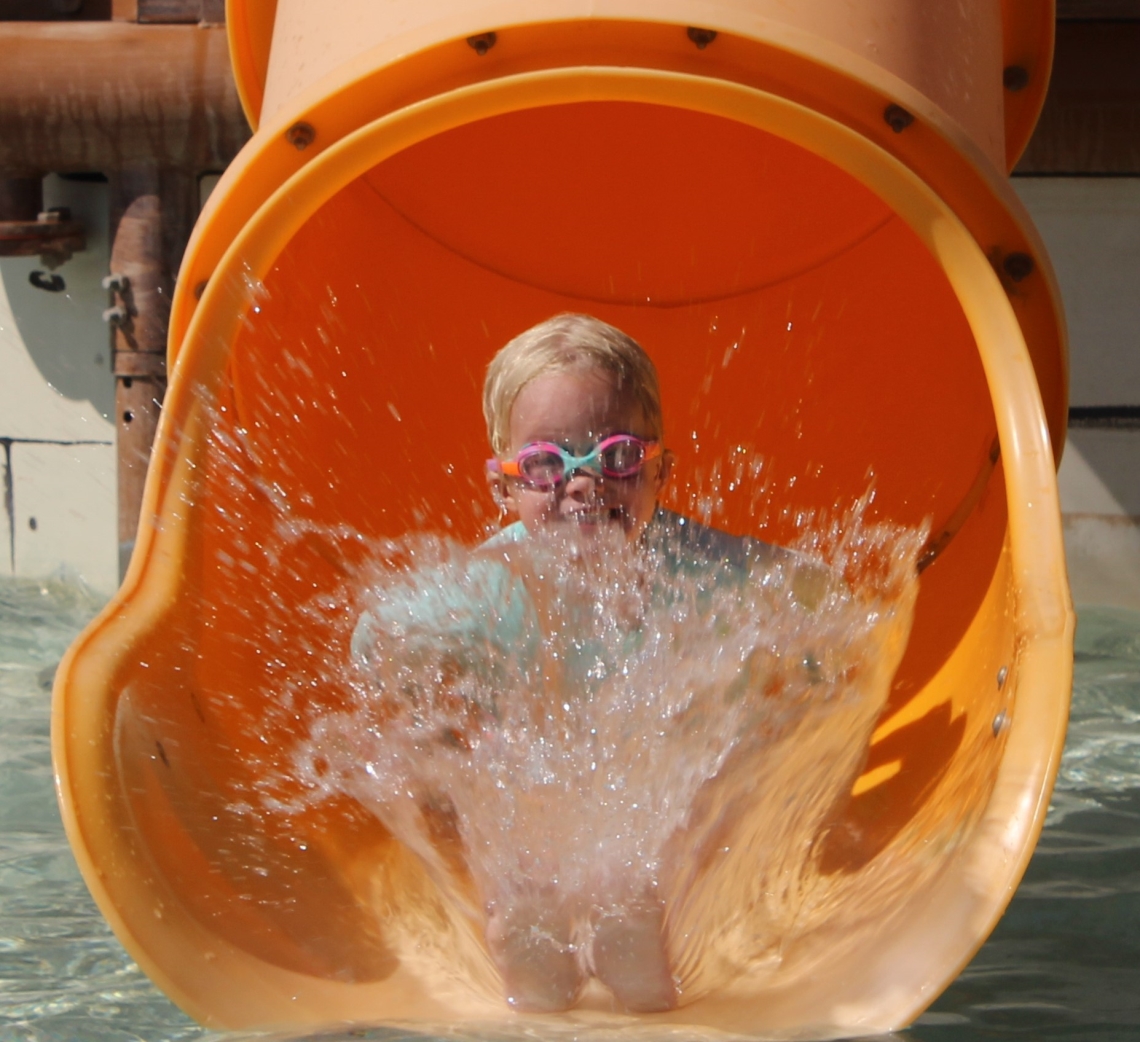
(572,734)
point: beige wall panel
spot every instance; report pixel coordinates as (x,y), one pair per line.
(1100,473)
(64,333)
(55,383)
(1091,226)
(1103,557)
(64,512)
(1099,482)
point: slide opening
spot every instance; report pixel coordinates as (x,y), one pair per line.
(812,351)
(799,325)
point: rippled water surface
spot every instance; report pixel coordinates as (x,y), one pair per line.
(1063,964)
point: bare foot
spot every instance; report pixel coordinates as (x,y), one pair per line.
(629,958)
(537,959)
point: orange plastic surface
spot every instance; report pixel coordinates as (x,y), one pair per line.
(853,95)
(1028,34)
(249,28)
(806,295)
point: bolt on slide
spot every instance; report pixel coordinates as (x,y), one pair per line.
(802,211)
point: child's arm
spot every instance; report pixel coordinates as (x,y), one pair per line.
(442,633)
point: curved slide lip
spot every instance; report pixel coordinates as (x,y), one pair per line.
(249,30)
(1028,31)
(818,75)
(890,989)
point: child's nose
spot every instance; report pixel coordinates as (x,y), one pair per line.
(582,483)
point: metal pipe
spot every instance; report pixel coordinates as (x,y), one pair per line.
(152,213)
(107,95)
(153,106)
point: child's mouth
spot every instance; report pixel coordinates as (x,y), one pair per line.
(592,517)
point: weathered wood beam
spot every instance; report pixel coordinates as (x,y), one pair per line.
(1091,120)
(108,95)
(1100,9)
(201,12)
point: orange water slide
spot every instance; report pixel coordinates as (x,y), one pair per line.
(802,210)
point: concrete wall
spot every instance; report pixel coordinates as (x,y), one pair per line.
(1091,226)
(56,399)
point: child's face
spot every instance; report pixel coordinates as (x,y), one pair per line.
(576,409)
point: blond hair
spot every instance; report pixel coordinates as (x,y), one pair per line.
(564,343)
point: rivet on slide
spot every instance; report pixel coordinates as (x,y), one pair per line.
(481,43)
(300,135)
(898,119)
(1018,266)
(701,37)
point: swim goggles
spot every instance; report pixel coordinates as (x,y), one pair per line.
(544,465)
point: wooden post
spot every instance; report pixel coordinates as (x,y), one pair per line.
(152,214)
(21,198)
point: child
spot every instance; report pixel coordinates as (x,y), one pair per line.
(574,420)
(574,382)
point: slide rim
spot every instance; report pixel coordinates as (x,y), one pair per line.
(1044,612)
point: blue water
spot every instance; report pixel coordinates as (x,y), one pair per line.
(1064,963)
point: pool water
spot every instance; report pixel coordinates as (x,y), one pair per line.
(1064,963)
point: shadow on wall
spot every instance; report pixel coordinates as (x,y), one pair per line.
(1091,226)
(1100,500)
(64,332)
(1114,457)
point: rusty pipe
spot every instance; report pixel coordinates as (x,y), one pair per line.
(109,95)
(152,213)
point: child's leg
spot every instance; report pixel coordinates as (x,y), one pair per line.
(629,958)
(535,951)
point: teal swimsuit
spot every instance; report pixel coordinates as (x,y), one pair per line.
(475,611)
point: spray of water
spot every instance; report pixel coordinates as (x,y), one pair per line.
(595,749)
(599,760)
